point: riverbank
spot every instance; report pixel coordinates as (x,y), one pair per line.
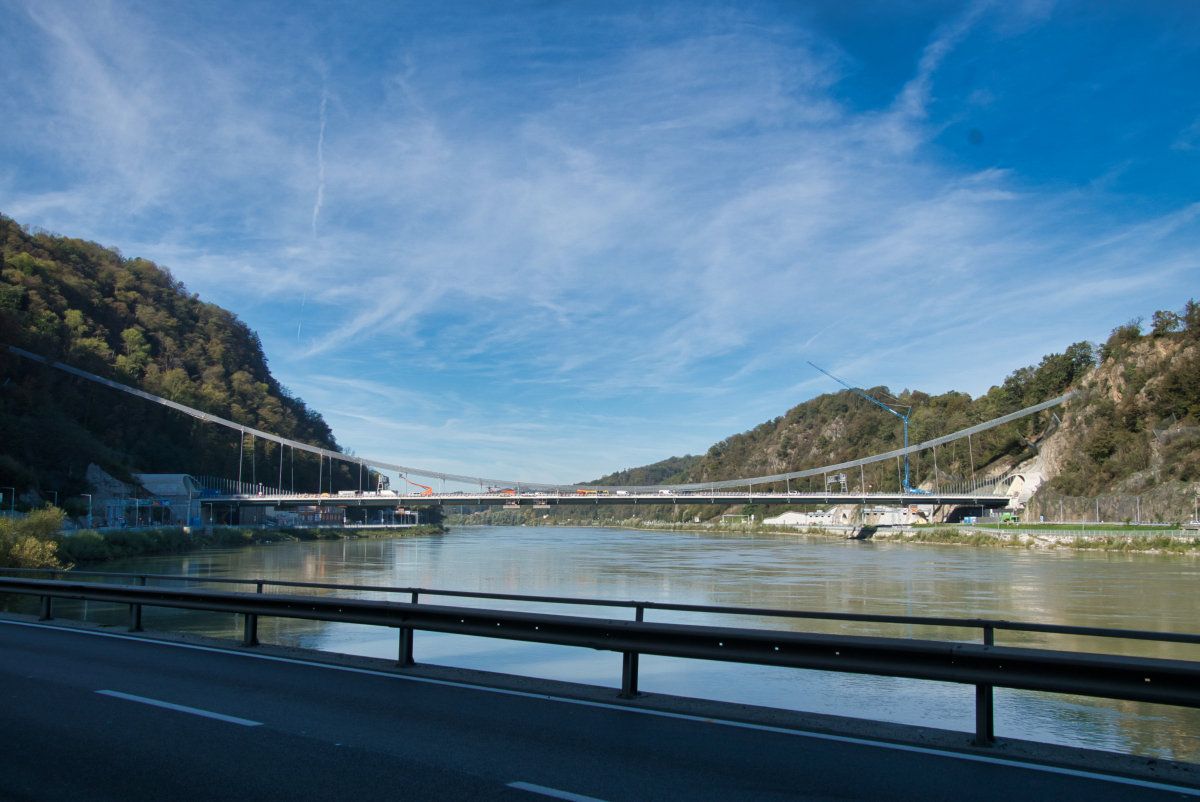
(92,546)
(1128,540)
(1124,539)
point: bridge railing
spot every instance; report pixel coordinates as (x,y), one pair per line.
(944,484)
(985,665)
(950,486)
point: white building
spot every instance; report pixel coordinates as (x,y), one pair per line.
(820,518)
(847,515)
(174,498)
(169,499)
(896,516)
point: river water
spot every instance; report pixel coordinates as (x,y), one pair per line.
(1105,589)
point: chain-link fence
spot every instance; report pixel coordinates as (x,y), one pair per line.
(1166,503)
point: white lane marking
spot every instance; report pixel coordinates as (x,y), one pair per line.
(195,711)
(554,792)
(820,736)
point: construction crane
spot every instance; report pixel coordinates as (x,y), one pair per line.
(428,490)
(903,417)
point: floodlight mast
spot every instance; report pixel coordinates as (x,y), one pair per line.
(903,417)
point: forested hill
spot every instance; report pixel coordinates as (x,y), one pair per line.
(659,473)
(128,320)
(842,426)
(1138,381)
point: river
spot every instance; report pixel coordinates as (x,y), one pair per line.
(1107,589)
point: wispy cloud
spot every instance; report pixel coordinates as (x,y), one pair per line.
(1189,138)
(611,238)
(320,165)
(913,100)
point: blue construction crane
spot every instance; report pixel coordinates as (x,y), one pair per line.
(903,417)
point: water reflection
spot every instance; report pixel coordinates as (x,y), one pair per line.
(1088,589)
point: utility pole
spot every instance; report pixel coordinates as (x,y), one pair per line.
(937,485)
(903,417)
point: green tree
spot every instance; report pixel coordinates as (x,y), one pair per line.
(1165,323)
(1191,318)
(32,541)
(132,363)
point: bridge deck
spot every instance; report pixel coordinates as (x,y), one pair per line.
(989,501)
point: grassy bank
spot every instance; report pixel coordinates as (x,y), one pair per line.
(89,546)
(1125,539)
(953,536)
(1166,545)
(1127,542)
(92,546)
(38,541)
(1067,529)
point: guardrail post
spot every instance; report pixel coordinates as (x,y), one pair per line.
(135,612)
(985,734)
(629,668)
(406,643)
(250,633)
(47,613)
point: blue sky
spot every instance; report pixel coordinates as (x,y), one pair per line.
(553,240)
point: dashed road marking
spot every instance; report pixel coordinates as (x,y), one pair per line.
(553,792)
(195,711)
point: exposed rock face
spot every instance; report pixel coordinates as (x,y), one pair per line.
(1126,389)
(834,430)
(106,486)
(1170,502)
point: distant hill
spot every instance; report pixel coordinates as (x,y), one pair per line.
(129,320)
(1134,430)
(660,473)
(842,426)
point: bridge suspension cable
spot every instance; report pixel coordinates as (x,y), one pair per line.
(476,480)
(937,441)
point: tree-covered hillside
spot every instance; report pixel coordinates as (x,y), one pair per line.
(129,320)
(660,473)
(1134,384)
(1146,381)
(842,426)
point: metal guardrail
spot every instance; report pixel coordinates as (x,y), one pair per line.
(985,665)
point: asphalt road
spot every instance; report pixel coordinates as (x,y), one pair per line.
(289,730)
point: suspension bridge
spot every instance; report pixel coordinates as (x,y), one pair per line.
(989,492)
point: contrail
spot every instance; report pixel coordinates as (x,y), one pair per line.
(320,165)
(822,331)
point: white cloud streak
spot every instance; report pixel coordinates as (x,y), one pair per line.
(654,236)
(320,165)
